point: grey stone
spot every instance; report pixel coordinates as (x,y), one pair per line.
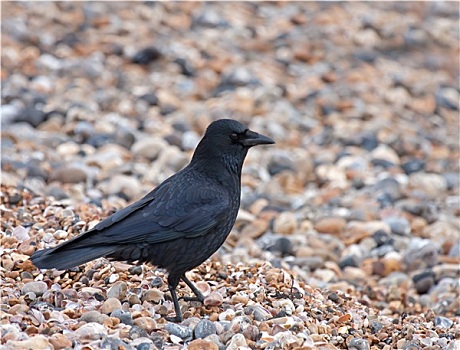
(124,316)
(37,287)
(182,332)
(204,328)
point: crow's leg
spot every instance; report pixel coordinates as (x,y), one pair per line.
(172,284)
(195,290)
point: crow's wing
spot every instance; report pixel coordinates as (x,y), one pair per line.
(167,213)
(174,210)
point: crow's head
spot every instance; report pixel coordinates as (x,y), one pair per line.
(228,140)
(229,132)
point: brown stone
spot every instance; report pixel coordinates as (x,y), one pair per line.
(109,305)
(255,229)
(201,344)
(213,299)
(153,295)
(60,341)
(69,175)
(37,343)
(332,224)
(146,323)
(285,223)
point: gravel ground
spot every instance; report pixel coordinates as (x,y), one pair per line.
(348,235)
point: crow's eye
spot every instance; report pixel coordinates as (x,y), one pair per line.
(234,136)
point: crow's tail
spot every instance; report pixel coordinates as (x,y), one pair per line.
(63,259)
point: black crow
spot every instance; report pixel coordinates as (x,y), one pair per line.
(179,224)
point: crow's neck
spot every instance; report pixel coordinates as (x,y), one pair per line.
(224,168)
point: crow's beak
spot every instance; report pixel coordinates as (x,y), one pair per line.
(253,139)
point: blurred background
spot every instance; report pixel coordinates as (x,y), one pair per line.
(102,101)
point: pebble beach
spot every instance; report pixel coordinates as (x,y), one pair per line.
(348,234)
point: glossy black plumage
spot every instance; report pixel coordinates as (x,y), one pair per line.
(179,224)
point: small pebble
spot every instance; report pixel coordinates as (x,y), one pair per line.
(204,328)
(135,270)
(38,342)
(182,332)
(213,299)
(443,322)
(359,344)
(60,341)
(110,305)
(38,288)
(124,316)
(332,225)
(136,332)
(118,290)
(423,281)
(259,313)
(153,295)
(69,175)
(91,331)
(285,223)
(142,343)
(145,323)
(398,225)
(201,344)
(93,316)
(238,341)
